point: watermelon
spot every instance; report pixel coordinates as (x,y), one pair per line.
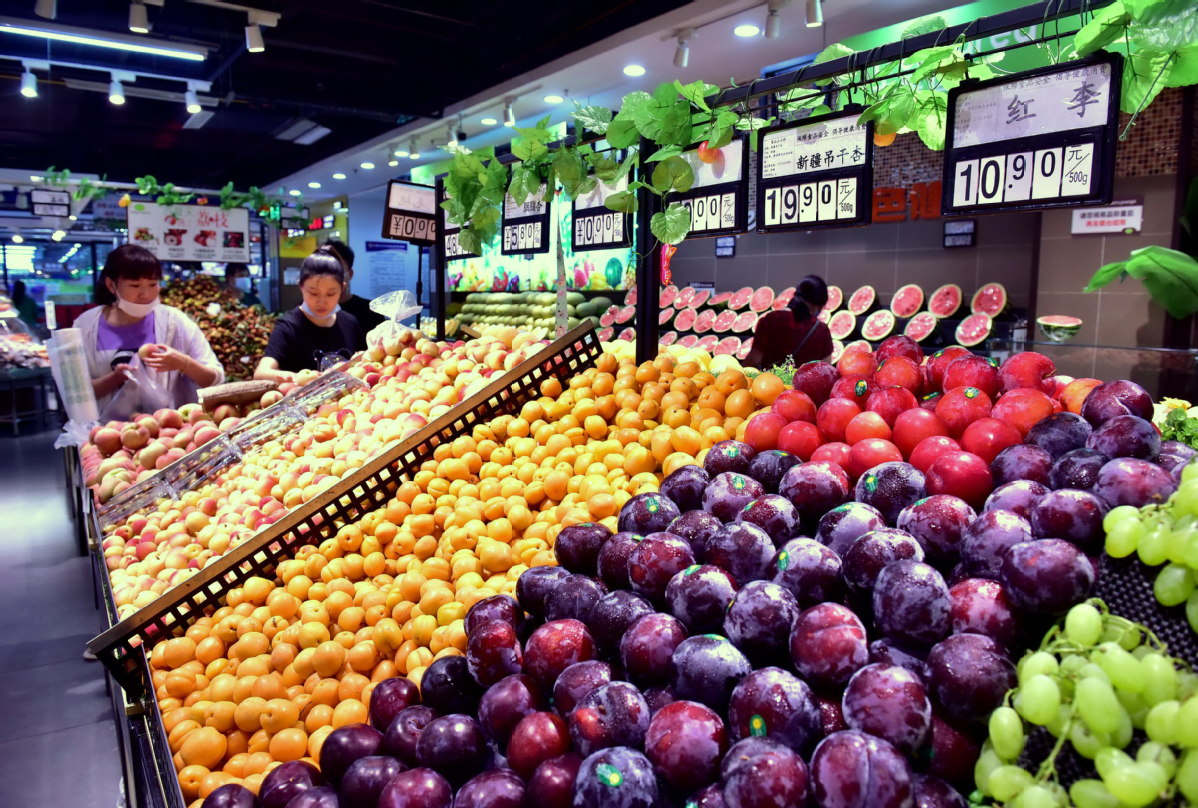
(699,297)
(605,334)
(842,324)
(704,321)
(724,321)
(665,315)
(784,297)
(945,301)
(974,329)
(684,297)
(727,346)
(1059,327)
(740,298)
(990,299)
(878,325)
(745,347)
(720,298)
(762,299)
(835,298)
(745,322)
(688,341)
(837,351)
(628,335)
(685,320)
(707,343)
(630,297)
(907,300)
(859,345)
(863,300)
(608,318)
(625,314)
(921,326)
(668,338)
(668,293)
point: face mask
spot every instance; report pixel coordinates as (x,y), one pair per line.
(313,316)
(138,310)
(243,284)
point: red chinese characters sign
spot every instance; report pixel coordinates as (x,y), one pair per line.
(921,201)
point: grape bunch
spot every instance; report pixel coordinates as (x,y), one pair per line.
(1100,683)
(1164,534)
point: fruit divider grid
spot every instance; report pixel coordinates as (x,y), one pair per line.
(350,498)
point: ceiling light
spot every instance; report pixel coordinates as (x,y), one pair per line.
(553,99)
(393,163)
(815,14)
(17,238)
(401,152)
(682,53)
(139,21)
(114,42)
(28,84)
(73,217)
(489,121)
(253,39)
(338,176)
(509,114)
(634,70)
(414,151)
(47,9)
(116,93)
(366,165)
(773,18)
(746,30)
(312,135)
(58,235)
(295,192)
(192,101)
(314,184)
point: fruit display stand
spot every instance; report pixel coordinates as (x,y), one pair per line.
(24,397)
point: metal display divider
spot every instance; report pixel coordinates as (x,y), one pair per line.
(367,488)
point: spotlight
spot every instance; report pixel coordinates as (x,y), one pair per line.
(17,238)
(509,114)
(815,14)
(393,162)
(413,151)
(58,235)
(46,8)
(682,53)
(253,39)
(295,192)
(553,99)
(773,19)
(192,101)
(139,21)
(401,152)
(634,70)
(489,121)
(116,93)
(339,176)
(314,184)
(367,165)
(28,84)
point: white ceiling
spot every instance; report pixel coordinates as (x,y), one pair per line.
(595,75)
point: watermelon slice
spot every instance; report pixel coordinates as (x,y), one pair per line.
(624,315)
(762,299)
(990,299)
(859,345)
(921,326)
(1059,327)
(720,298)
(724,321)
(745,322)
(688,341)
(863,300)
(837,351)
(665,315)
(728,346)
(945,301)
(668,338)
(878,325)
(974,329)
(630,297)
(685,320)
(835,298)
(605,334)
(668,293)
(842,324)
(745,347)
(907,300)
(704,321)
(784,297)
(628,335)
(683,299)
(740,298)
(707,343)
(699,297)
(608,318)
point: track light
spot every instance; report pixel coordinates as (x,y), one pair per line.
(815,14)
(46,8)
(28,84)
(116,93)
(139,20)
(253,39)
(413,151)
(401,152)
(682,53)
(509,114)
(192,101)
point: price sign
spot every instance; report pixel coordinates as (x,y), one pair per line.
(595,226)
(815,173)
(525,229)
(1041,139)
(50,203)
(453,250)
(411,213)
(719,199)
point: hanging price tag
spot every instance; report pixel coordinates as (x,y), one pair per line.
(719,200)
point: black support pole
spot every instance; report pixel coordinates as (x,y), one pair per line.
(648,262)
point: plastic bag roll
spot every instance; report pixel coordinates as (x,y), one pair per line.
(68,364)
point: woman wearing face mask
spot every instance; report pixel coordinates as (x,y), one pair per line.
(318,332)
(133,333)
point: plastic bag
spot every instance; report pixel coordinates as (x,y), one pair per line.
(395,306)
(68,366)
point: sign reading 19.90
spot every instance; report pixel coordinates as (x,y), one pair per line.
(817,172)
(1040,139)
(719,199)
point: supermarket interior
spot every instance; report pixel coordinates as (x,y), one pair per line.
(723,403)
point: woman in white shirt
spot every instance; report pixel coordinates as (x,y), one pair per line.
(134,334)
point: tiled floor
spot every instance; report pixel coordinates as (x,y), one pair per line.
(58,745)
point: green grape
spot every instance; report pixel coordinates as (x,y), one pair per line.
(1134,784)
(1160,678)
(1071,664)
(1173,585)
(1095,702)
(1190,472)
(1121,736)
(1153,752)
(988,761)
(1006,734)
(1109,759)
(1187,724)
(1190,556)
(1123,539)
(1092,794)
(1038,662)
(1035,797)
(1120,667)
(1083,624)
(1187,684)
(1057,725)
(1153,548)
(1187,776)
(1179,542)
(1006,782)
(1040,699)
(1192,608)
(1119,515)
(1127,637)
(1085,742)
(1161,722)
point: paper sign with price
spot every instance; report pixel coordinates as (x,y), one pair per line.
(718,200)
(525,229)
(411,213)
(1040,139)
(595,226)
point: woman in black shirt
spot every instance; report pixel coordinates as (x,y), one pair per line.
(317,332)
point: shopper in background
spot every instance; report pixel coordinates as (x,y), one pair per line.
(794,331)
(318,333)
(239,282)
(134,334)
(356,305)
(26,306)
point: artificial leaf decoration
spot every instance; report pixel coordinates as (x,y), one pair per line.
(1143,80)
(1170,276)
(622,133)
(926,25)
(671,225)
(1164,25)
(828,54)
(621,202)
(1109,24)
(673,174)
(591,118)
(1183,70)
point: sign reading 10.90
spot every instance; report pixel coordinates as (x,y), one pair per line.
(1040,139)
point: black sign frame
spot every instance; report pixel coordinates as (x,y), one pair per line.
(864,174)
(445,233)
(414,215)
(53,202)
(601,213)
(738,187)
(1103,138)
(529,220)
